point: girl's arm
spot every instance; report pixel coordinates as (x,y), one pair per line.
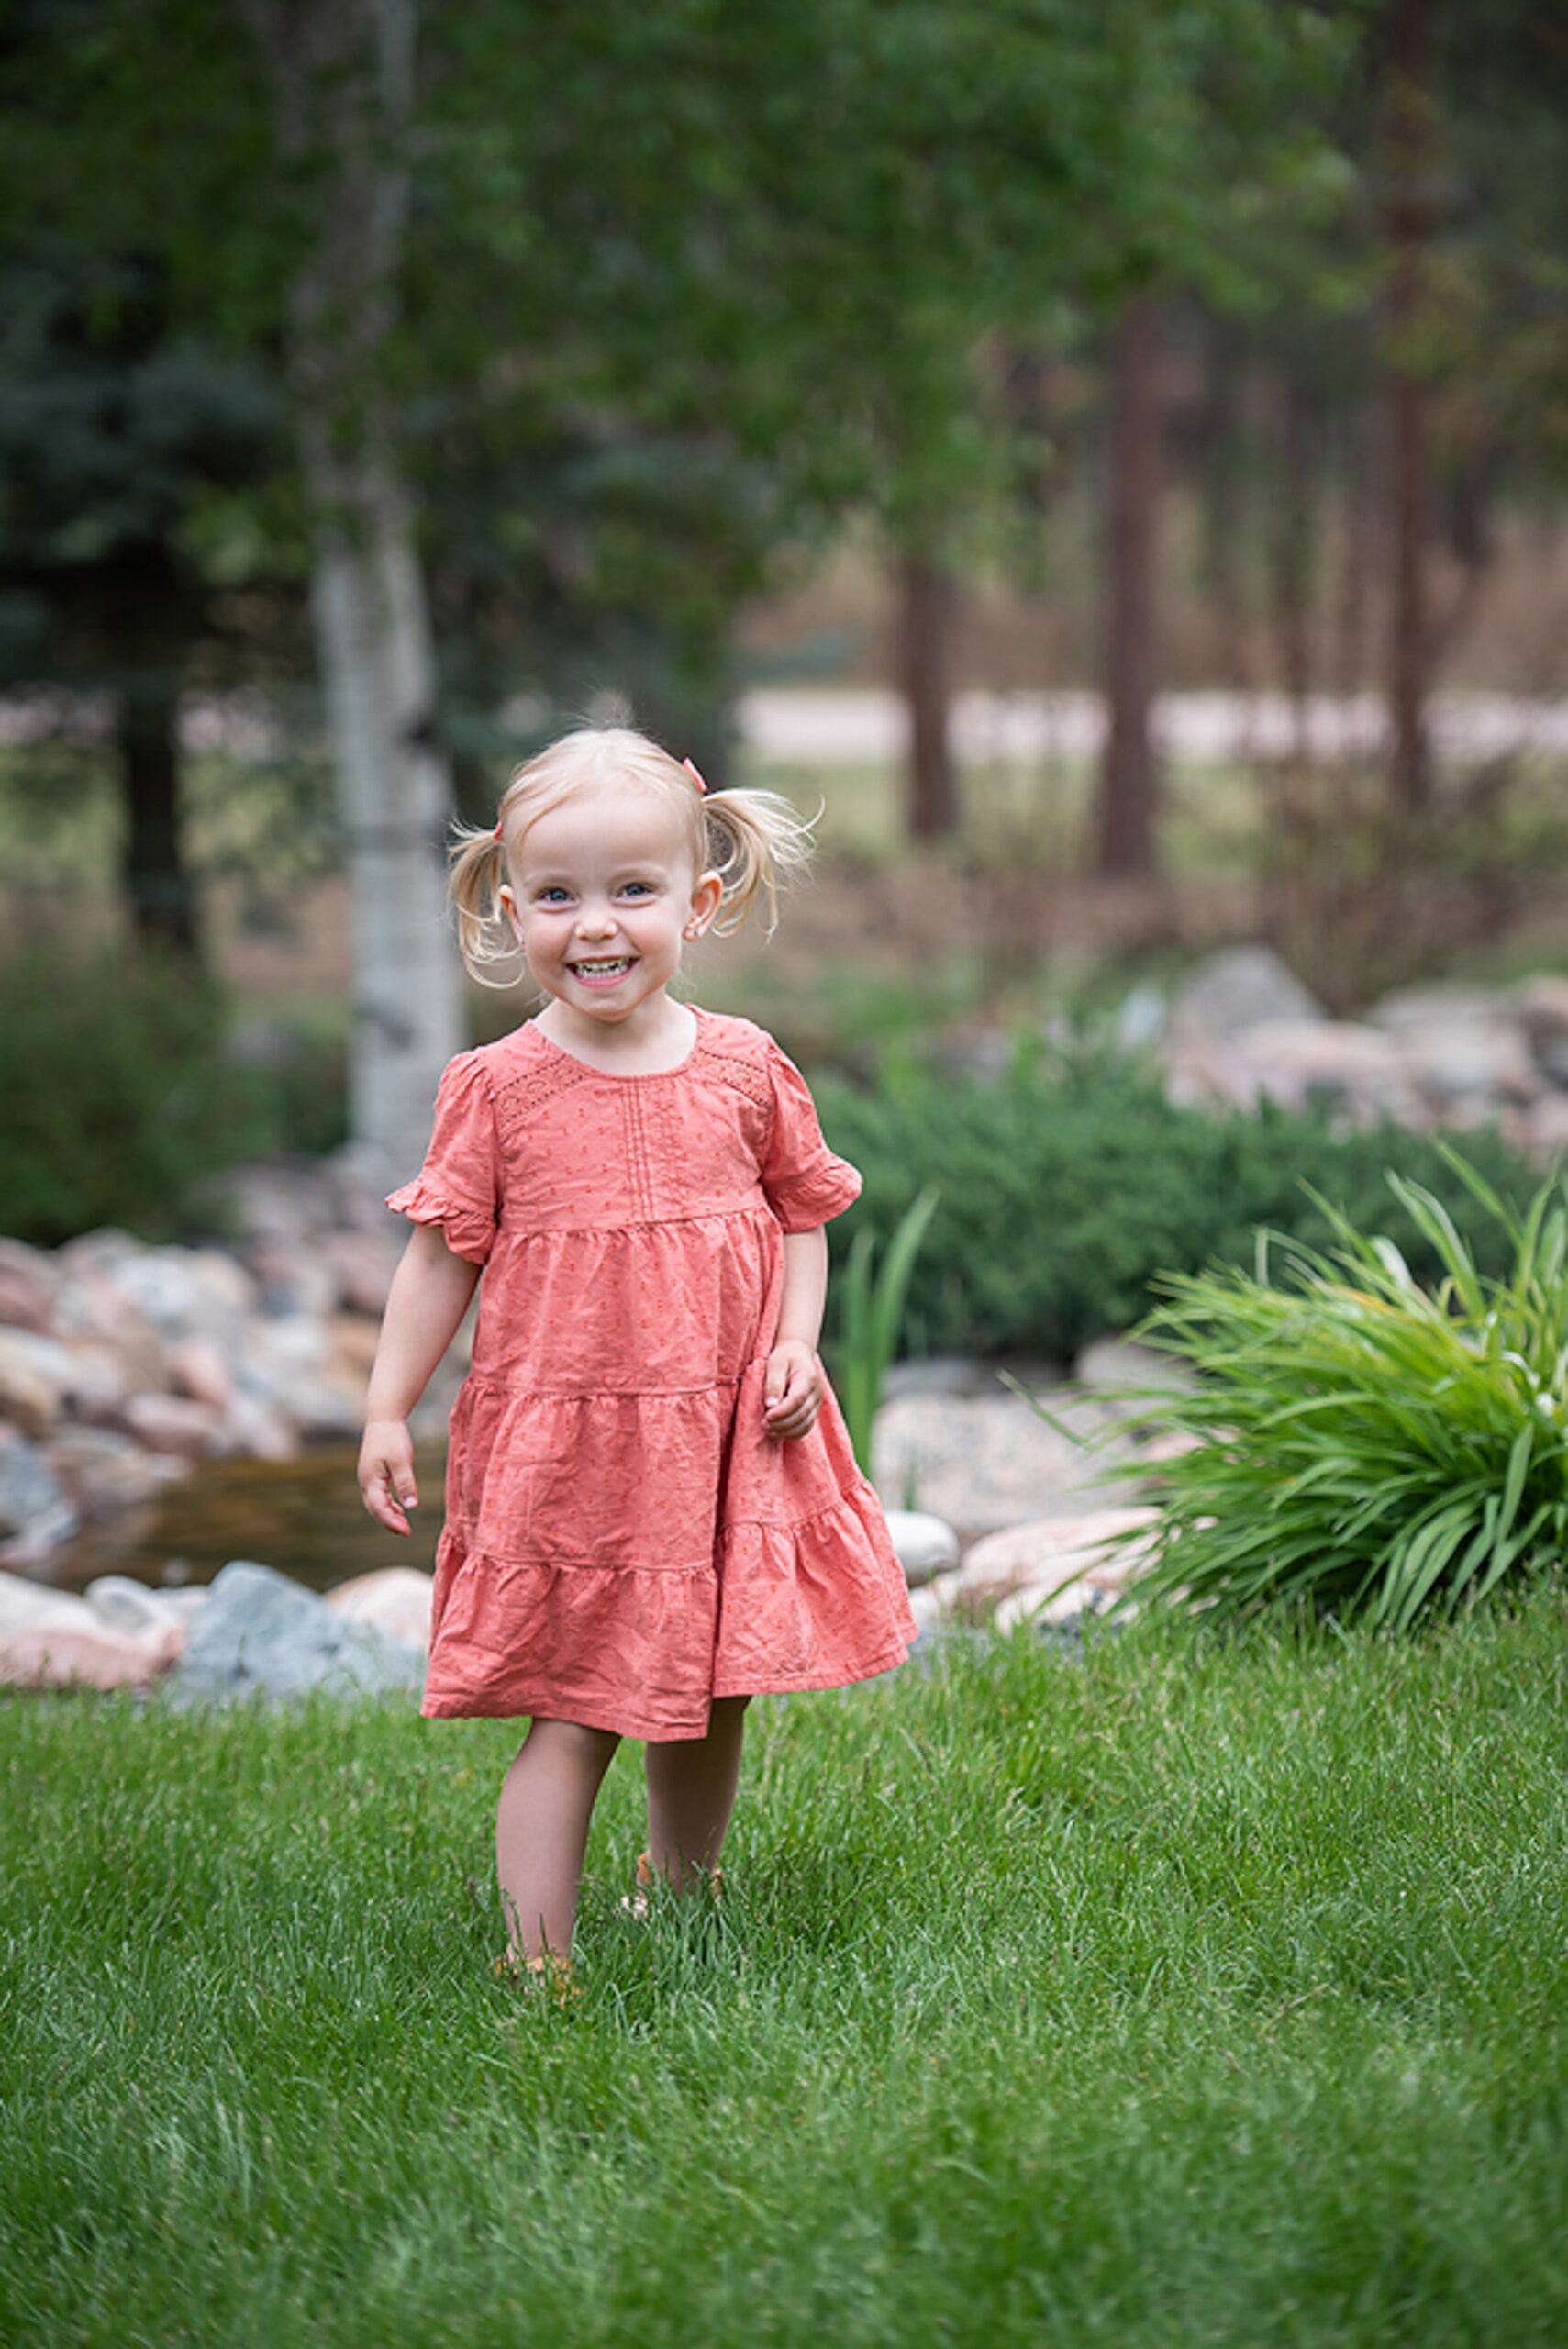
(429,1298)
(792,1387)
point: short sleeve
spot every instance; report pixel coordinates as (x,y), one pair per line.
(806,1184)
(459,1186)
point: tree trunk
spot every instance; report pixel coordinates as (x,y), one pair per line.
(158,886)
(1129,794)
(1408,104)
(924,627)
(343,80)
(1221,473)
(1293,555)
(395,793)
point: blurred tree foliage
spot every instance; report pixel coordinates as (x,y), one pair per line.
(126,446)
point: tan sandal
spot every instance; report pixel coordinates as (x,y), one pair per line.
(553,1975)
(636,1903)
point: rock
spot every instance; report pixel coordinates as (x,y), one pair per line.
(324,1414)
(29,1281)
(175,1424)
(1116,1370)
(925,1546)
(51,1638)
(1475,1066)
(45,1655)
(260,1430)
(31,1396)
(1541,1006)
(943,1374)
(1326,1061)
(188,1293)
(24,1602)
(260,1633)
(982,1461)
(1421,1010)
(1057,1566)
(936,1601)
(93,1311)
(123,1605)
(296,1282)
(362,1264)
(198,1369)
(1239,989)
(398,1599)
(101,1471)
(1542,1128)
(283,1352)
(34,1513)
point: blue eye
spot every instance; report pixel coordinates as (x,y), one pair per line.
(553,897)
(638,888)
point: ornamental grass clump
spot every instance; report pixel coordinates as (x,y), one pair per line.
(1368,1447)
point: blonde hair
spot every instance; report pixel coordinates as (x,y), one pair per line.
(752,839)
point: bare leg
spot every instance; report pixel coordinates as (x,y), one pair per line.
(542,1832)
(690,1793)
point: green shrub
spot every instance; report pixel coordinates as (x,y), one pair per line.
(121,1094)
(1069,1183)
(1364,1444)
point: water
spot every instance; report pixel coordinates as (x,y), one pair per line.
(303,1516)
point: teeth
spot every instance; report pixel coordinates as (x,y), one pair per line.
(603,970)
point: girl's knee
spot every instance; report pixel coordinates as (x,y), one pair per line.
(573,1742)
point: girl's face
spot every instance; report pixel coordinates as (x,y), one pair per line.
(603,896)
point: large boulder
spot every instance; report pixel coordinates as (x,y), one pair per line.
(1237,988)
(983,1461)
(29,1280)
(261,1634)
(32,1392)
(395,1598)
(925,1546)
(34,1513)
(101,1471)
(51,1638)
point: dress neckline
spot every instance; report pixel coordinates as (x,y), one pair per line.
(628,1076)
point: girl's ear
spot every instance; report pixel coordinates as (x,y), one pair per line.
(506,898)
(706,899)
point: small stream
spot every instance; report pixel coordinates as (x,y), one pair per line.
(303,1516)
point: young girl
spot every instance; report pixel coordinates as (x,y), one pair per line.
(652,1510)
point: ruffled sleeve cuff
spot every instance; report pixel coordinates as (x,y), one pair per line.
(806,1184)
(468,1230)
(459,1186)
(815,1195)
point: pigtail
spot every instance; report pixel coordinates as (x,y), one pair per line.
(756,842)
(478,867)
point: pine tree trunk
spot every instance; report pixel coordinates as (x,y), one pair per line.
(1409,164)
(343,80)
(158,886)
(926,601)
(1128,793)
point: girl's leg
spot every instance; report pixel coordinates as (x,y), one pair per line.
(690,1793)
(542,1832)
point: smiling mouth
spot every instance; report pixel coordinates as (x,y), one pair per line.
(612,967)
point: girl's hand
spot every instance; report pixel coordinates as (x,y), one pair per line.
(387,1473)
(791,1388)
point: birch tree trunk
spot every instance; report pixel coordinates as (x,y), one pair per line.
(342,79)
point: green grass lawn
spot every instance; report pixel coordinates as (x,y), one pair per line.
(1202,1993)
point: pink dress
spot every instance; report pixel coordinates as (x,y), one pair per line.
(623,1542)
